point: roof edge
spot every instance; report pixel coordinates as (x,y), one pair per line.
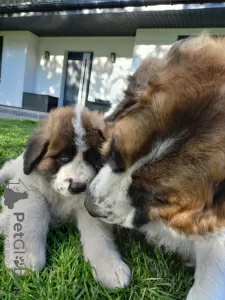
(93,4)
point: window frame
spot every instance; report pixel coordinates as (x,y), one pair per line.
(1,54)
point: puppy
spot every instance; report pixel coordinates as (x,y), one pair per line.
(47,186)
(165,169)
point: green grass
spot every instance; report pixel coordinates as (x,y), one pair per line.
(156,274)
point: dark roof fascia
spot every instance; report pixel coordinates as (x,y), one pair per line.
(93,4)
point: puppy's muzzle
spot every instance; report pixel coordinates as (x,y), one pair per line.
(92,208)
(77,187)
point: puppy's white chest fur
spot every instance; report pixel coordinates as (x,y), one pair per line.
(159,234)
(64,209)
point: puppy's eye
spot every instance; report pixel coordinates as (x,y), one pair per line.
(118,170)
(93,158)
(115,159)
(64,157)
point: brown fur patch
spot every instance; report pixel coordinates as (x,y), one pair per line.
(56,135)
(93,122)
(59,133)
(186,101)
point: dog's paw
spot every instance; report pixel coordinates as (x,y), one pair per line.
(35,261)
(27,261)
(112,274)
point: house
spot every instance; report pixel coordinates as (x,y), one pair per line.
(67,52)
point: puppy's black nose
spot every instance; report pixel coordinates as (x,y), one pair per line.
(77,187)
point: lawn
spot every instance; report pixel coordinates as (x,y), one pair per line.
(156,274)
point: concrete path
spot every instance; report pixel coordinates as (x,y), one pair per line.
(21,114)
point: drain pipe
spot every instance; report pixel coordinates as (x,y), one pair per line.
(91,4)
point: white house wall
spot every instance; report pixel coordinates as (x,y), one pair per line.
(31,63)
(24,68)
(107,79)
(157,41)
(13,67)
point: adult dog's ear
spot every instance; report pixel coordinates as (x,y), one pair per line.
(138,84)
(36,148)
(120,111)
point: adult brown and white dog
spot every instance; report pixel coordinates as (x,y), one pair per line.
(61,158)
(165,170)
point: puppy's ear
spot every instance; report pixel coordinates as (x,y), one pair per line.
(36,148)
(101,125)
(101,134)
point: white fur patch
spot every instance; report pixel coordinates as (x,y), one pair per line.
(110,192)
(77,171)
(79,129)
(159,151)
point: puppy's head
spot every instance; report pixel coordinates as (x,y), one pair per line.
(65,149)
(165,155)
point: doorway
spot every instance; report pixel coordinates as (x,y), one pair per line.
(78,71)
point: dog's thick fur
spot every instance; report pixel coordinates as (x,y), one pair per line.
(61,158)
(165,170)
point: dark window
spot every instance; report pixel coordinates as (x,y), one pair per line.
(1,50)
(182,37)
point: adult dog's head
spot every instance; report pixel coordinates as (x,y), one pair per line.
(65,149)
(165,152)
